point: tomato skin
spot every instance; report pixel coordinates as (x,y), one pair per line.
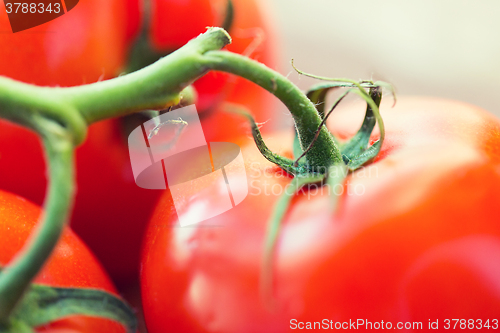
(253,35)
(429,209)
(111,211)
(22,166)
(70,265)
(134,20)
(83,46)
(174,23)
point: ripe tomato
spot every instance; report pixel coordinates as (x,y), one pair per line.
(174,23)
(107,198)
(111,211)
(416,235)
(71,264)
(82,46)
(252,35)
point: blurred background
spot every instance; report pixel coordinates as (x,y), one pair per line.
(446,48)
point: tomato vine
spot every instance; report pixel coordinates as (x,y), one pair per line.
(61,116)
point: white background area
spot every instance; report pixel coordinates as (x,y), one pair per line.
(445,48)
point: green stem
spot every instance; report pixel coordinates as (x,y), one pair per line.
(154,87)
(325,152)
(61,116)
(16,277)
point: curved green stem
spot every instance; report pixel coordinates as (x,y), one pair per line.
(61,116)
(16,277)
(324,152)
(154,87)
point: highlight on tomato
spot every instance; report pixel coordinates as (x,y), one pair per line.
(414,236)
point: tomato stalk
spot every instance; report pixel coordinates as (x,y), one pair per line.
(325,152)
(61,117)
(16,277)
(154,87)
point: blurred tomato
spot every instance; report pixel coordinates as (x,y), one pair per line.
(254,36)
(110,210)
(416,236)
(173,23)
(70,265)
(83,46)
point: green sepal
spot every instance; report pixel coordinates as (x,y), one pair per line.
(273,231)
(44,304)
(355,152)
(281,161)
(367,154)
(389,87)
(359,142)
(317,93)
(323,122)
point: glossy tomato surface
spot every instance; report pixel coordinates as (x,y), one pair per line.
(71,264)
(415,237)
(84,45)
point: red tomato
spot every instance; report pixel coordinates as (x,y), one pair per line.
(253,36)
(111,211)
(70,265)
(134,19)
(416,235)
(174,23)
(107,198)
(84,45)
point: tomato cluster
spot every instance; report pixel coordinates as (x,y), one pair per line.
(111,211)
(415,236)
